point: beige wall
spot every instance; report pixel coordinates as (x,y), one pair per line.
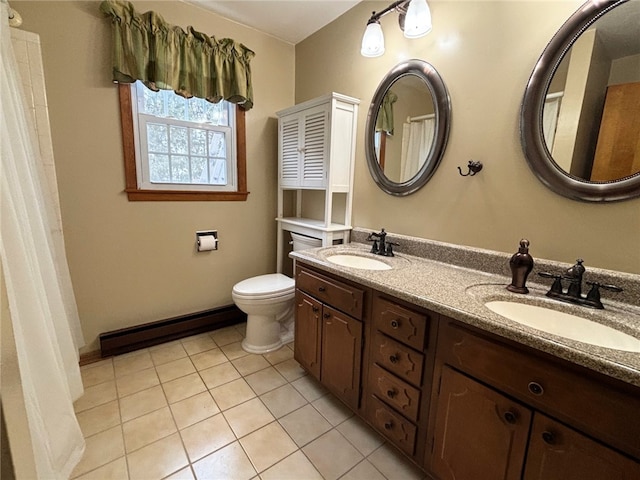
(135,262)
(485,52)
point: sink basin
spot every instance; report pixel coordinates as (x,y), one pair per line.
(565,325)
(357,261)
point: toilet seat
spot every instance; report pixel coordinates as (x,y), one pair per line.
(262,287)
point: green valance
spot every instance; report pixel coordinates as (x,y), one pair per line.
(164,56)
(384,121)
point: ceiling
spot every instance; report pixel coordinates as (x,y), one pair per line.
(290,20)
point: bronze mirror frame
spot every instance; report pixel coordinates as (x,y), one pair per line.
(442,107)
(531,132)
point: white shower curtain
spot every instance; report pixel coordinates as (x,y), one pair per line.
(550,119)
(417,137)
(41,303)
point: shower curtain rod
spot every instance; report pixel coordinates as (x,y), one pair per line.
(421,117)
(15,19)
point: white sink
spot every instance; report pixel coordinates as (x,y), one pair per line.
(565,325)
(356,261)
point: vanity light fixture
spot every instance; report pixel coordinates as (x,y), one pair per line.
(414,18)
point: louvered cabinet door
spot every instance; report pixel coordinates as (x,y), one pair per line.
(290,151)
(315,147)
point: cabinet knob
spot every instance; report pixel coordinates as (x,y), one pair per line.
(315,309)
(510,417)
(393,358)
(391,393)
(536,388)
(549,438)
(395,324)
(388,425)
(327,315)
(322,289)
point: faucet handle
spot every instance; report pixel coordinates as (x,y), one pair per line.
(390,245)
(593,297)
(557,281)
(611,288)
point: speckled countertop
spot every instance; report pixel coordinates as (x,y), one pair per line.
(456,281)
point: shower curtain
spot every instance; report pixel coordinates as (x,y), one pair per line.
(417,137)
(550,120)
(41,303)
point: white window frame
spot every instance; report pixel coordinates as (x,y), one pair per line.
(140,120)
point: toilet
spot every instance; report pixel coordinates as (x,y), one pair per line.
(268,301)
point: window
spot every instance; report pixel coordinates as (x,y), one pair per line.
(181,149)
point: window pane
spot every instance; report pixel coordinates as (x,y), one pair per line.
(152,102)
(197,110)
(176,106)
(157,138)
(217,145)
(159,168)
(198,141)
(218,168)
(179,141)
(180,169)
(199,173)
(217,113)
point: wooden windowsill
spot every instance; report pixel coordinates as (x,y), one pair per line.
(135,195)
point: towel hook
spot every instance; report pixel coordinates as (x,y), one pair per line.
(473,168)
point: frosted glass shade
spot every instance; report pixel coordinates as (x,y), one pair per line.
(372,41)
(418,20)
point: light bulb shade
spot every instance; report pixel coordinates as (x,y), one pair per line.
(417,23)
(372,41)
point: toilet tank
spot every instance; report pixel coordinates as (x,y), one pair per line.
(302,242)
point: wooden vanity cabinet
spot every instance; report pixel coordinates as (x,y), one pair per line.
(503,411)
(328,332)
(400,362)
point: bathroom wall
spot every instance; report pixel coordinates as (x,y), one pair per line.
(485,51)
(135,262)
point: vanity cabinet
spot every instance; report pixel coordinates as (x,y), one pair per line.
(400,365)
(329,332)
(316,151)
(503,412)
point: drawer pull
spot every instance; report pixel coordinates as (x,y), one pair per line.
(510,417)
(388,425)
(391,393)
(322,289)
(395,324)
(326,315)
(315,309)
(536,388)
(549,438)
(393,358)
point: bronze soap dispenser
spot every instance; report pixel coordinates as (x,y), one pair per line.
(521,264)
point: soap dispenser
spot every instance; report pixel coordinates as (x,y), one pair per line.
(521,264)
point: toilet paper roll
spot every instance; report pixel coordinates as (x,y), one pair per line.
(207,242)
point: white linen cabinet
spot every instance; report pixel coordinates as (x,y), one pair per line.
(316,151)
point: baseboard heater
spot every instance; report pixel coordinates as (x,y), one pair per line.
(153,333)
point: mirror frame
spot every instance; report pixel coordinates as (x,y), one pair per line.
(442,107)
(531,132)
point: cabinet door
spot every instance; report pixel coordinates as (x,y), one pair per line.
(314,147)
(557,452)
(307,333)
(289,145)
(479,433)
(341,355)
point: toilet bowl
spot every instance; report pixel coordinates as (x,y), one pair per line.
(268,301)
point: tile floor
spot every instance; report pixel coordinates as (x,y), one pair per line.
(202,408)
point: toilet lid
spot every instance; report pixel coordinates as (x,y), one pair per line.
(271,284)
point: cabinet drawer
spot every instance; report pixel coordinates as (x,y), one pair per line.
(393,426)
(591,403)
(403,324)
(397,358)
(398,394)
(339,295)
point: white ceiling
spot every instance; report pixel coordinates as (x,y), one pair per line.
(290,20)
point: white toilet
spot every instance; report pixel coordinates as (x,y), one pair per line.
(268,301)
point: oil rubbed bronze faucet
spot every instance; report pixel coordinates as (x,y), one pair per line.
(380,245)
(573,294)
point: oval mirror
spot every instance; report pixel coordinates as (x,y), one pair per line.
(407,127)
(580,116)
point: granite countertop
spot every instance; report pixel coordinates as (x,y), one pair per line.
(460,292)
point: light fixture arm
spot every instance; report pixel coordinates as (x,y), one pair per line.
(400,6)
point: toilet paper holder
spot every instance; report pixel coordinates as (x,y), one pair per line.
(204,242)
